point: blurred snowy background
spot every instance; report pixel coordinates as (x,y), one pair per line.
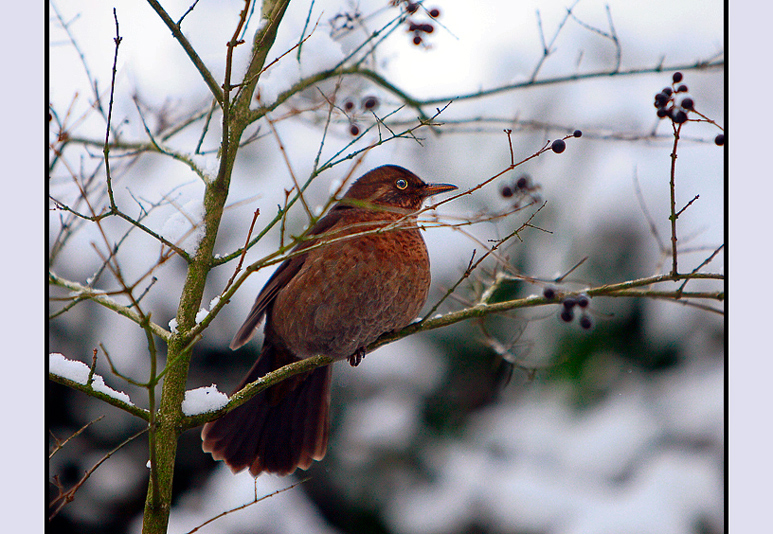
(621,429)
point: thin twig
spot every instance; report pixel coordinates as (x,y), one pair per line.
(58,445)
(547,48)
(696,197)
(672,189)
(65,497)
(243,506)
(244,250)
(209,80)
(703,264)
(289,166)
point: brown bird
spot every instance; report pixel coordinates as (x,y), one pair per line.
(333,300)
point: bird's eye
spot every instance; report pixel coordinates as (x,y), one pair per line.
(401,184)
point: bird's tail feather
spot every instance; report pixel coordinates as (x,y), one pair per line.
(279,429)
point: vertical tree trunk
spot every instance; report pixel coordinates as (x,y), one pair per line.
(163,437)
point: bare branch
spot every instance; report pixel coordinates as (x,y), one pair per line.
(59,444)
(255,500)
(209,80)
(83,292)
(91,392)
(65,497)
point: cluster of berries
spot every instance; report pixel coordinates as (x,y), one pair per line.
(521,189)
(368,103)
(418,29)
(673,102)
(568,305)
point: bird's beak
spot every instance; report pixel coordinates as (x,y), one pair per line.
(434,189)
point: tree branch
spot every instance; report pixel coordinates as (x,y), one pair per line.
(214,87)
(91,392)
(84,292)
(480,309)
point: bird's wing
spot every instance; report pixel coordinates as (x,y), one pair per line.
(286,271)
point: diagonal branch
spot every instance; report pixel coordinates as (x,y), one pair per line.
(214,87)
(83,292)
(481,309)
(108,399)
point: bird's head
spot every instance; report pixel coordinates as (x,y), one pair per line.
(394,187)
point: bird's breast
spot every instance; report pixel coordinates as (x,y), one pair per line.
(350,292)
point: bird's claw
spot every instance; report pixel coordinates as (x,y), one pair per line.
(357,357)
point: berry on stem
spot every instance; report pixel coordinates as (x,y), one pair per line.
(585,322)
(677,77)
(719,140)
(558,146)
(369,102)
(577,133)
(661,99)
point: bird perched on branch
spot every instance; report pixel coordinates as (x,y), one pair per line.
(366,273)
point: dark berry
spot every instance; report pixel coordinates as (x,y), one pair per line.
(348,105)
(687,103)
(583,301)
(677,77)
(682,89)
(679,117)
(585,322)
(549,293)
(411,7)
(507,191)
(558,146)
(417,39)
(661,100)
(522,182)
(662,112)
(667,91)
(434,12)
(566,315)
(354,129)
(413,27)
(369,102)
(569,303)
(428,28)
(719,140)
(577,133)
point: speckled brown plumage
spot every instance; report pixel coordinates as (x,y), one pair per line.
(333,300)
